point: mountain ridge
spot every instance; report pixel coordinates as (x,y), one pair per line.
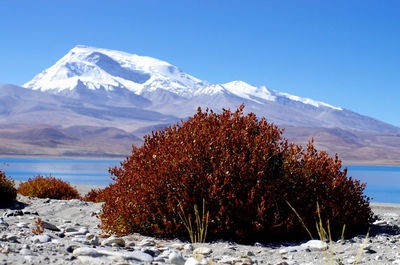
(98,102)
(157,85)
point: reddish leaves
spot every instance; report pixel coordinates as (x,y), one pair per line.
(95,195)
(245,172)
(48,187)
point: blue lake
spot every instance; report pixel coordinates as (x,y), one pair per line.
(383,183)
(93,172)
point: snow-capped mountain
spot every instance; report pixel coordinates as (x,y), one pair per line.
(102,69)
(109,78)
(105,69)
(97,102)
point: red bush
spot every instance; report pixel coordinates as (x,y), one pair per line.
(95,195)
(245,171)
(8,192)
(48,187)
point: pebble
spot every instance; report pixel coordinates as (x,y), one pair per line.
(50,226)
(175,258)
(315,245)
(22,225)
(113,240)
(93,239)
(192,261)
(70,229)
(26,252)
(41,239)
(146,243)
(86,251)
(83,230)
(203,251)
(188,247)
(11,238)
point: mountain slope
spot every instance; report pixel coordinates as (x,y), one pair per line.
(97,102)
(116,79)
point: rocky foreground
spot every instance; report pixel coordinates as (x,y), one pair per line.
(71,236)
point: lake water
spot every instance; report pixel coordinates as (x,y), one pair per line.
(93,172)
(383,183)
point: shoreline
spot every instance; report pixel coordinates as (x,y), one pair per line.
(120,158)
(85,188)
(345,163)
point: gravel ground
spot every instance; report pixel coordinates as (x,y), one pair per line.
(72,236)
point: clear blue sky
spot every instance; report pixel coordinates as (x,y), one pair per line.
(345,53)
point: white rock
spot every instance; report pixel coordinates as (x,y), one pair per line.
(113,240)
(57,242)
(177,246)
(188,247)
(138,256)
(292,249)
(29,259)
(315,245)
(351,260)
(81,240)
(146,243)
(379,222)
(134,255)
(93,240)
(85,251)
(93,260)
(175,258)
(205,262)
(22,225)
(89,236)
(202,251)
(83,230)
(192,261)
(41,239)
(226,259)
(26,252)
(74,234)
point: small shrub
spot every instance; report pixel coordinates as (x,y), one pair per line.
(39,229)
(48,187)
(95,195)
(246,173)
(8,192)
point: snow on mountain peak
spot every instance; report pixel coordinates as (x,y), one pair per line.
(245,90)
(108,70)
(102,68)
(307,101)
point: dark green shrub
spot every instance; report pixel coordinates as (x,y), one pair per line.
(48,187)
(245,171)
(8,192)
